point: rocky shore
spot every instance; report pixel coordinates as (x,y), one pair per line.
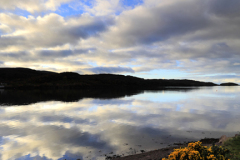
(164,152)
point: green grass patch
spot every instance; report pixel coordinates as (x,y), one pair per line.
(233,145)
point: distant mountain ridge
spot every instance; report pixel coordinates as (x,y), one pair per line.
(29,78)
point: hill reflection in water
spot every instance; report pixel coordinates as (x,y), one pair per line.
(25,97)
(91,124)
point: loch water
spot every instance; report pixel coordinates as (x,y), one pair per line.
(93,124)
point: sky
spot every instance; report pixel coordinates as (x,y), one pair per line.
(171,39)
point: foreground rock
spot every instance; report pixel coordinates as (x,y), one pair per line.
(224,138)
(164,152)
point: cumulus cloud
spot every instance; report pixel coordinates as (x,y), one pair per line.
(159,23)
(32,5)
(104,7)
(51,30)
(177,34)
(4,29)
(34,39)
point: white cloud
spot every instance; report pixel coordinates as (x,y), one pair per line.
(104,7)
(5,29)
(236,64)
(54,4)
(52,29)
(32,6)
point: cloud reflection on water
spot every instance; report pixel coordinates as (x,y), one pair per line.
(55,129)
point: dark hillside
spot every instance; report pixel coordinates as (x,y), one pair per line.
(177,82)
(13,74)
(28,78)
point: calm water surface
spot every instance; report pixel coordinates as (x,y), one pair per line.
(44,125)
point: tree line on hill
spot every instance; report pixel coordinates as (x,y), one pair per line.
(28,78)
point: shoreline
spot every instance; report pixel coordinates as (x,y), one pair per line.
(164,152)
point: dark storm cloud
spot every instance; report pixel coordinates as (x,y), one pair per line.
(221,50)
(186,21)
(202,35)
(223,8)
(58,53)
(45,56)
(14,54)
(11,41)
(21,56)
(63,53)
(111,70)
(161,23)
(92,29)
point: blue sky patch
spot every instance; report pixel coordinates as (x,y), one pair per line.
(132,3)
(66,10)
